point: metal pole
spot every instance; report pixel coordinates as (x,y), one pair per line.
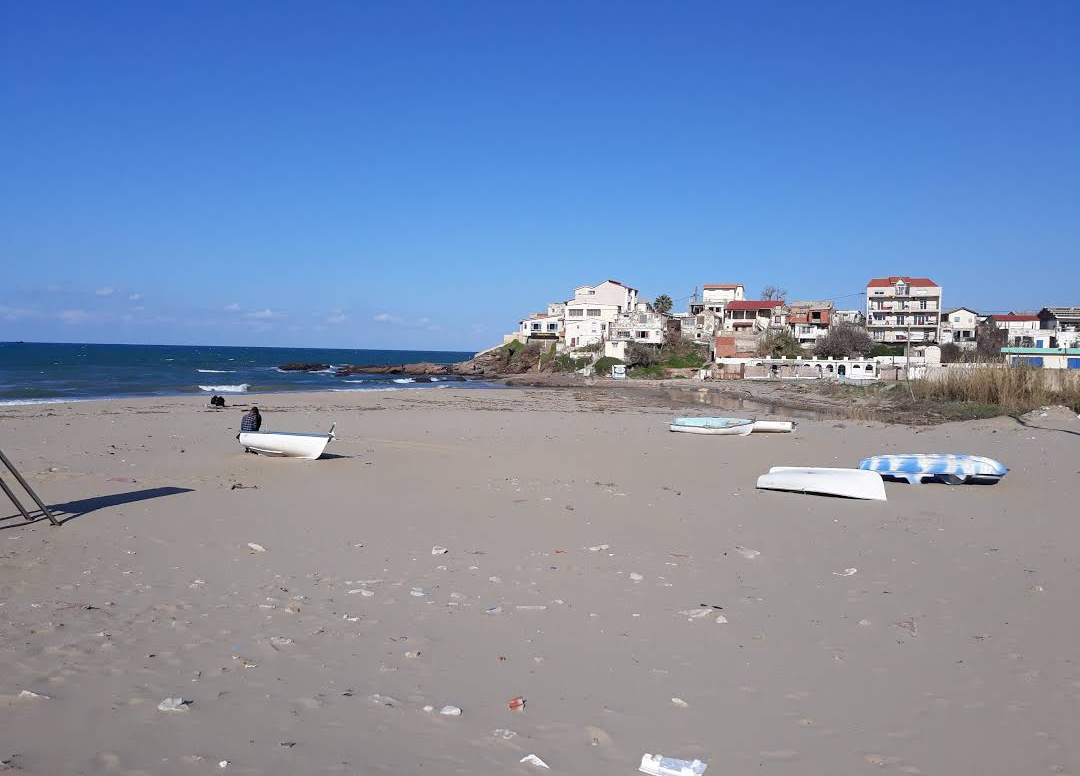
(15,501)
(28,489)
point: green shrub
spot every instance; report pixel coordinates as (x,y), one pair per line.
(603,365)
(887,350)
(650,372)
(567,363)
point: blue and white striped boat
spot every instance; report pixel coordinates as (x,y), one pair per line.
(953,468)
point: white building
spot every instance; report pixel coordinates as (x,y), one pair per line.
(903,309)
(754,316)
(590,316)
(715,295)
(959,326)
(1063,326)
(642,325)
(857,317)
(1020,330)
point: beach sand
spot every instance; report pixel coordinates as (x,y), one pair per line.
(952,648)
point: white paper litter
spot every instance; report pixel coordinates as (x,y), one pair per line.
(658,765)
(532,759)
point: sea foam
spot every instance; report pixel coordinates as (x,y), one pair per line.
(242,388)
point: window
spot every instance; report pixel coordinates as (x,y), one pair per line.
(536,327)
(922,304)
(577,313)
(623,334)
(700,320)
(594,312)
(641,335)
(902,290)
(643,319)
(955,318)
(553,327)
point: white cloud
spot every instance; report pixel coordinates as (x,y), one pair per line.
(138,308)
(477,328)
(386,318)
(423,321)
(232,308)
(74,316)
(135,298)
(106,291)
(16,313)
(263,315)
(336,316)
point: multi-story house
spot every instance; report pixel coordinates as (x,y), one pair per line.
(642,324)
(754,316)
(1020,329)
(590,316)
(714,297)
(543,326)
(903,309)
(810,320)
(1063,325)
(959,326)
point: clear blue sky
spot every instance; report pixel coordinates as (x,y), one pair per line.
(424,173)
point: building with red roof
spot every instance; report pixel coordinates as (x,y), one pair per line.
(903,309)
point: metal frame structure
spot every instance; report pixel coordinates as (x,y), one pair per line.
(26,486)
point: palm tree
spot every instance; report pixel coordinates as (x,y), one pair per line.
(662,304)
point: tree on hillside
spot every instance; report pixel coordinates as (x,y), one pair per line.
(773,293)
(844,340)
(662,304)
(779,343)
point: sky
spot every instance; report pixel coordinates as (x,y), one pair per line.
(425,173)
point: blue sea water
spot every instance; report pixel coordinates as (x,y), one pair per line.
(43,372)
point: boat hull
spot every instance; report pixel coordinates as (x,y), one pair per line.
(775,426)
(953,468)
(713,426)
(282,444)
(848,483)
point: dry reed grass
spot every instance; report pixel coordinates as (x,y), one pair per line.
(1016,389)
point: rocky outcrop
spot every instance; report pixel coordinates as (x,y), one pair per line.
(303,367)
(495,363)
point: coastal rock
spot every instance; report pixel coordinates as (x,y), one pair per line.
(303,367)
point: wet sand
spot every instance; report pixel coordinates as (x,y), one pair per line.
(950,649)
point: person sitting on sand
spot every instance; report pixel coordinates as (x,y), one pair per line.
(251,422)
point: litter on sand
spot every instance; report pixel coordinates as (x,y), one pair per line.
(256,547)
(517,703)
(532,759)
(658,765)
(173,704)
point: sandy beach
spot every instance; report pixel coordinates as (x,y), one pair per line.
(630,584)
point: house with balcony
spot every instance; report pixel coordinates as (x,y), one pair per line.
(541,326)
(959,326)
(715,296)
(754,316)
(902,309)
(810,320)
(1063,325)
(590,316)
(1020,329)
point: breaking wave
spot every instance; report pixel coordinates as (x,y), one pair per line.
(216,371)
(242,388)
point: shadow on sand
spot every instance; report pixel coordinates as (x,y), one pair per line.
(71,509)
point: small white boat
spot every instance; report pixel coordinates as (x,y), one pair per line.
(849,483)
(731,426)
(286,444)
(775,426)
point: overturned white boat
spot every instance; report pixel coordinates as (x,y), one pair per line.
(775,426)
(849,483)
(731,426)
(287,444)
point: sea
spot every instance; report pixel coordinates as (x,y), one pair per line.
(39,372)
